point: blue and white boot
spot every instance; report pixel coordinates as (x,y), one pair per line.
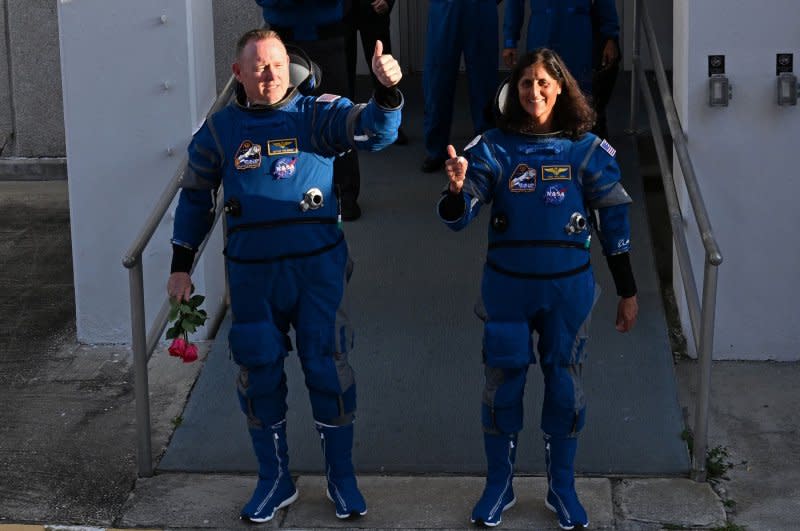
(275,488)
(498,494)
(337,446)
(559,454)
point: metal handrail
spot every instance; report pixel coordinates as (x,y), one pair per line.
(701,316)
(143,342)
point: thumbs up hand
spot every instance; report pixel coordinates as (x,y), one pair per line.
(385,67)
(456,169)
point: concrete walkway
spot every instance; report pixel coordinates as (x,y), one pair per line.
(67,432)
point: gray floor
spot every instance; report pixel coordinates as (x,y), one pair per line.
(417,356)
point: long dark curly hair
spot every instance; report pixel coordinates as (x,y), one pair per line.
(572,114)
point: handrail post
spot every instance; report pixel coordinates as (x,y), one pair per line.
(139,345)
(635,66)
(705,354)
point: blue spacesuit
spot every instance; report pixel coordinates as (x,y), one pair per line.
(565,26)
(456,26)
(546,192)
(287,266)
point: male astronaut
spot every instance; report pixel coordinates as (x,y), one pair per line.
(286,256)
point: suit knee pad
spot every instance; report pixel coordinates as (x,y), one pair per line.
(256,344)
(564,406)
(262,395)
(502,408)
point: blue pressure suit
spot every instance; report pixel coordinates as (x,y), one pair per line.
(547,192)
(287,265)
(564,26)
(456,27)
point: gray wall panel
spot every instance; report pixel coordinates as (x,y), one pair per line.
(6,118)
(35,78)
(231,19)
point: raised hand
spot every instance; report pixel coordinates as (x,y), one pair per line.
(385,67)
(456,169)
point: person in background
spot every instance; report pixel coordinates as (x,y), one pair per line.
(585,33)
(549,182)
(467,27)
(321,29)
(287,262)
(371,21)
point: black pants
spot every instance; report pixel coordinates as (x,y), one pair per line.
(372,27)
(331,56)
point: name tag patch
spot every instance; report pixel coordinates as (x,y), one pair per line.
(284,167)
(523,179)
(248,156)
(285,146)
(557,173)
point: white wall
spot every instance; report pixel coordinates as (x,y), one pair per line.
(745,163)
(135,89)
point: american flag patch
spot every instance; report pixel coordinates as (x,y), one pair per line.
(327,98)
(607,148)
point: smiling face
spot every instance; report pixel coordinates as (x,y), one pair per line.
(263,70)
(538,92)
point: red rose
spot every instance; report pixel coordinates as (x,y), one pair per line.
(178,348)
(190,354)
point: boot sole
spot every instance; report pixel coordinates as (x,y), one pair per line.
(509,505)
(288,501)
(351,514)
(584,526)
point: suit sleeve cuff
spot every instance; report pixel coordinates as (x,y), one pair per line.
(621,271)
(388,97)
(182,259)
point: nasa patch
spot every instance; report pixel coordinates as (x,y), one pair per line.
(523,179)
(248,156)
(555,194)
(284,167)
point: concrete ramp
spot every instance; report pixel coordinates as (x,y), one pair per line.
(417,356)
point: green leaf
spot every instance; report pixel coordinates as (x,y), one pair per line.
(173,313)
(185,308)
(172,333)
(187,326)
(196,301)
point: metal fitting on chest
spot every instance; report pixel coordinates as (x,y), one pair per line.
(577,223)
(312,200)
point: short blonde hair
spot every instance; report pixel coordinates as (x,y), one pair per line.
(259,34)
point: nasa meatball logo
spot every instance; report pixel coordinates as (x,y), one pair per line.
(555,194)
(284,167)
(523,179)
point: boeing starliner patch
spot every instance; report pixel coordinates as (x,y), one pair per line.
(523,179)
(284,146)
(607,148)
(555,194)
(557,173)
(284,167)
(248,156)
